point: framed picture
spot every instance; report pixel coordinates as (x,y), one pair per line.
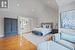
(67,19)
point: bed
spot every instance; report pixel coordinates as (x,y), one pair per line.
(62,41)
(50,45)
(65,40)
(45,29)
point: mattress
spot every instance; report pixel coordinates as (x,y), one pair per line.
(50,45)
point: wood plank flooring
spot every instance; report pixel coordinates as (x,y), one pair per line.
(16,43)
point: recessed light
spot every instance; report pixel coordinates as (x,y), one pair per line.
(48,2)
(18,4)
(33,10)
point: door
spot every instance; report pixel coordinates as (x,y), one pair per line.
(10,26)
(14,26)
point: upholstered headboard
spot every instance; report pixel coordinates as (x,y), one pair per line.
(47,25)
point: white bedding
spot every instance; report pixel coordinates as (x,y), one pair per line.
(44,31)
(50,45)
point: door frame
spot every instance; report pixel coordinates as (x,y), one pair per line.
(4,24)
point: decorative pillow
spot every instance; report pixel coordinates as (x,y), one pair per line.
(68,36)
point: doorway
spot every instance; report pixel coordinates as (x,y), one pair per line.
(10,26)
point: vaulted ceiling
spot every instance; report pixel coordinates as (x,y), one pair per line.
(30,7)
(64,2)
(34,7)
(50,3)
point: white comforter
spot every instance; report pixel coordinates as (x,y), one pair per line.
(50,45)
(44,31)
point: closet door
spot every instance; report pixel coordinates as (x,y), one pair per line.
(10,26)
(14,26)
(7,26)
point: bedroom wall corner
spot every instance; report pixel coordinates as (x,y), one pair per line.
(1,26)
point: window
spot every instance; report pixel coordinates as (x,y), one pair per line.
(3,3)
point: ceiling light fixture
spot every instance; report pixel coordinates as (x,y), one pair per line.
(33,10)
(48,2)
(18,4)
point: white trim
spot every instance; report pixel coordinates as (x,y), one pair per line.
(1,36)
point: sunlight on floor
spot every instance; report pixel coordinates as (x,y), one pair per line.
(14,43)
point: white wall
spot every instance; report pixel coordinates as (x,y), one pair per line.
(65,5)
(25,24)
(34,22)
(1,26)
(49,16)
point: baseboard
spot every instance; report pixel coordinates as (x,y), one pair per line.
(1,36)
(27,32)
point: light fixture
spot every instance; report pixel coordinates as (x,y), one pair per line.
(18,4)
(33,10)
(48,2)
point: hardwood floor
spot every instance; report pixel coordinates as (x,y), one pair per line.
(16,43)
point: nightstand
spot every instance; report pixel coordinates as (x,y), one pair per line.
(54,31)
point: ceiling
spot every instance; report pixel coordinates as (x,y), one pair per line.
(64,2)
(30,8)
(37,4)
(50,3)
(33,4)
(34,7)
